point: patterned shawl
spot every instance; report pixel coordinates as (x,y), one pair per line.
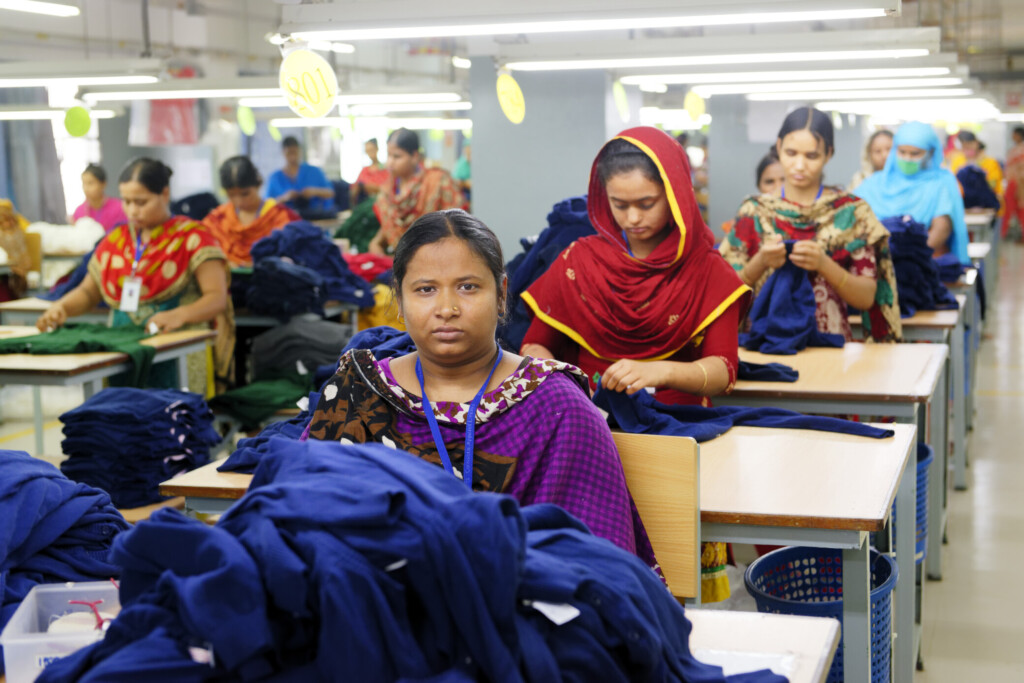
(538,438)
(12,240)
(167,266)
(617,306)
(237,239)
(844,226)
(428,190)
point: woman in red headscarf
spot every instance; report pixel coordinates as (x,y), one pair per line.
(648,301)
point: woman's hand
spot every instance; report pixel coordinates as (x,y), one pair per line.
(632,376)
(167,321)
(807,254)
(54,317)
(772,253)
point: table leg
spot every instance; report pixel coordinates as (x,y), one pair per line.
(904,655)
(938,477)
(181,362)
(857,613)
(89,389)
(37,416)
(961,407)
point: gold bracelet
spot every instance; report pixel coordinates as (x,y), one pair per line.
(704,386)
(846,276)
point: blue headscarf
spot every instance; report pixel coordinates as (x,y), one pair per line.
(932,191)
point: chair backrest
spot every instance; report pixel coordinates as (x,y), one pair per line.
(663,475)
(34,244)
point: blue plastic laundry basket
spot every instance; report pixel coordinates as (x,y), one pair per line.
(808,582)
(925,456)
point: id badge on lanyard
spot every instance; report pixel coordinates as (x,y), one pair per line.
(131,289)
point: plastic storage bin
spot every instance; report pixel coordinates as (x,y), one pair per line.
(925,456)
(28,648)
(809,582)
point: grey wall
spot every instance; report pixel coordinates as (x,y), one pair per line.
(520,171)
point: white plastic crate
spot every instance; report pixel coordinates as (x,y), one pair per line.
(28,648)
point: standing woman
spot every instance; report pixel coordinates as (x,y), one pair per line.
(247,217)
(173,266)
(98,206)
(913,183)
(410,191)
(647,302)
(838,240)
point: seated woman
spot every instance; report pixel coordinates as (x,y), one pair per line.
(913,183)
(410,190)
(498,421)
(839,241)
(247,218)
(647,302)
(160,271)
(876,151)
(104,210)
(15,246)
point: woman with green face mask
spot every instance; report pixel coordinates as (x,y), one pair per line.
(913,183)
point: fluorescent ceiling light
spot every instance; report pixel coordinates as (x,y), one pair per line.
(52,9)
(860,94)
(461,62)
(1017,117)
(653,87)
(702,60)
(50,114)
(913,109)
(75,80)
(411,123)
(347,100)
(581,25)
(383,109)
(860,84)
(776,75)
(182,94)
(337,48)
(673,119)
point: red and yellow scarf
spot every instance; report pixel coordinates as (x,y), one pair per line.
(237,239)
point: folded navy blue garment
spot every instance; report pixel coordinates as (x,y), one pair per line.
(283,289)
(977,192)
(567,222)
(917,274)
(362,563)
(251,450)
(782,319)
(128,441)
(71,280)
(306,245)
(51,530)
(766,372)
(384,341)
(642,414)
(950,268)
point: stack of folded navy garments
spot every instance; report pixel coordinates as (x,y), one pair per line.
(128,441)
(284,289)
(917,274)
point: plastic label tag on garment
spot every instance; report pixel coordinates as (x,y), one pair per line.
(130,292)
(558,614)
(303,403)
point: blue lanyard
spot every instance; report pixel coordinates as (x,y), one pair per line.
(625,239)
(140,249)
(821,188)
(467,462)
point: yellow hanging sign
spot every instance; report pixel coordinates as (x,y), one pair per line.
(621,100)
(510,97)
(77,121)
(309,84)
(694,105)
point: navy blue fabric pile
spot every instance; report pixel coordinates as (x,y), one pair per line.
(195,206)
(567,222)
(51,530)
(71,280)
(128,441)
(359,563)
(306,245)
(250,451)
(917,275)
(641,414)
(950,268)
(283,289)
(977,192)
(782,318)
(766,372)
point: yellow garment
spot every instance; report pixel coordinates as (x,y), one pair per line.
(384,311)
(8,205)
(714,582)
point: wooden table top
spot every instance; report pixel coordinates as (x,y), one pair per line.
(900,373)
(968,279)
(31,304)
(979,217)
(800,648)
(978,250)
(802,478)
(76,363)
(941,319)
(207,482)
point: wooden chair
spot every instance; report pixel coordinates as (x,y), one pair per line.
(663,475)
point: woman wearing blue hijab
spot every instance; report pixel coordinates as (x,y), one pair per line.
(913,183)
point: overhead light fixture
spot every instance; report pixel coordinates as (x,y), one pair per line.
(781,76)
(75,80)
(384,109)
(703,60)
(179,94)
(860,94)
(350,100)
(625,20)
(672,119)
(965,109)
(461,62)
(49,114)
(53,9)
(337,48)
(658,88)
(794,86)
(410,123)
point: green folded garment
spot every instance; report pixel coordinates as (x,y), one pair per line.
(90,338)
(361,227)
(256,402)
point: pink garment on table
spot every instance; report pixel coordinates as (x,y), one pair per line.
(110,215)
